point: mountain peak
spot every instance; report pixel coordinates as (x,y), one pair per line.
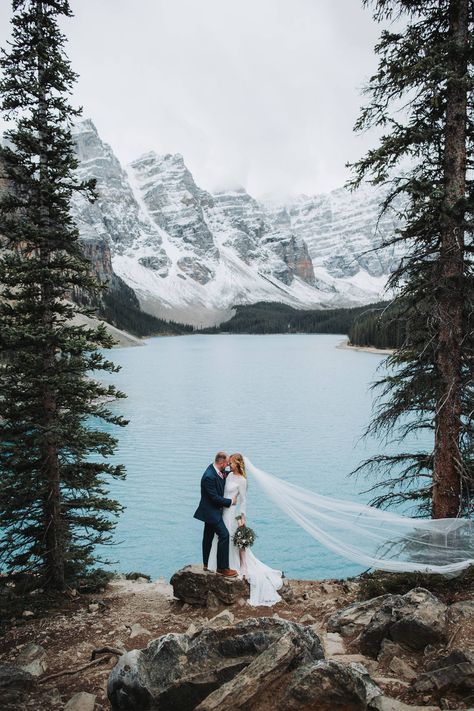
(84,126)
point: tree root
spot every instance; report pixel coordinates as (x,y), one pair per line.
(108,651)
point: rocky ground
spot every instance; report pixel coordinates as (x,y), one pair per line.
(416,648)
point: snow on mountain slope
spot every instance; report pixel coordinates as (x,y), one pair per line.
(190,255)
(342,228)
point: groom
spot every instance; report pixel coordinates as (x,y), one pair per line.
(210,511)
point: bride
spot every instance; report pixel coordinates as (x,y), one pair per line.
(264,581)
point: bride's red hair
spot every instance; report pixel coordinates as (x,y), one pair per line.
(239,460)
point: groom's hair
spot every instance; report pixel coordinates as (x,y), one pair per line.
(220,456)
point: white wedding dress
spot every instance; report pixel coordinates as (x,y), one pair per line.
(264,581)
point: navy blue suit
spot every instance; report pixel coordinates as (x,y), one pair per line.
(210,511)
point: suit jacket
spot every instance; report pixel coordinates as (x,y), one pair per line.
(212,497)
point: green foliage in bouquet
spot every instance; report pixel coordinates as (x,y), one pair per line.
(244,537)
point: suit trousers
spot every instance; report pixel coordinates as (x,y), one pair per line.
(219,529)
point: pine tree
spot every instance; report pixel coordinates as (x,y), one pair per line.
(421,98)
(54,504)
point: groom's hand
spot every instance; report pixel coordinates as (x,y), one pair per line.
(234,500)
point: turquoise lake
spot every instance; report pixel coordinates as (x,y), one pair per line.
(296,405)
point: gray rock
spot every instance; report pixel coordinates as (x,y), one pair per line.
(357,615)
(414,619)
(32,659)
(369,664)
(212,601)
(402,669)
(372,690)
(460,612)
(420,620)
(221,620)
(82,701)
(178,672)
(333,644)
(245,688)
(452,671)
(388,650)
(198,587)
(325,686)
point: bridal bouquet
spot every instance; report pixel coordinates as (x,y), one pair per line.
(244,537)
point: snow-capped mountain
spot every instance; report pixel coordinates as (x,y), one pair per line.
(190,255)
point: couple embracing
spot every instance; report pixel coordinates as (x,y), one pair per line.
(222,493)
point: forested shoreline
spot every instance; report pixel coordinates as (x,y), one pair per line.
(372,325)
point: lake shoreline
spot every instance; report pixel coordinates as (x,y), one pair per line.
(345,345)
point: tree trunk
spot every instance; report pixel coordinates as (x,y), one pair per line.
(54,534)
(447,460)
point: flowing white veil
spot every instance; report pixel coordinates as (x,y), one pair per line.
(372,537)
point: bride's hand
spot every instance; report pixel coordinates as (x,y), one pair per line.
(242,520)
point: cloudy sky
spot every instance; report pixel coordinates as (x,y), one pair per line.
(262,93)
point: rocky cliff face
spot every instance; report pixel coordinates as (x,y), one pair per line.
(175,204)
(191,255)
(341,230)
(115,217)
(259,238)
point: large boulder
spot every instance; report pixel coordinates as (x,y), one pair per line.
(178,671)
(353,618)
(244,690)
(326,685)
(196,586)
(414,620)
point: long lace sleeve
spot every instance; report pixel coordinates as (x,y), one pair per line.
(243,495)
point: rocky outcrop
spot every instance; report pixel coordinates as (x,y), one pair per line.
(259,664)
(415,620)
(257,678)
(196,586)
(178,671)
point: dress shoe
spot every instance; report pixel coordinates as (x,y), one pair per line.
(204,567)
(227,572)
